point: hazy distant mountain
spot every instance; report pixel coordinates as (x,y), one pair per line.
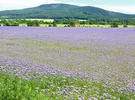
(57,11)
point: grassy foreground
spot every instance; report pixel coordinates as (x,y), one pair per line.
(52,87)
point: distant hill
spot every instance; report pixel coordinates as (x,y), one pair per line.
(59,11)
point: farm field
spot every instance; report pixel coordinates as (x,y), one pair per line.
(45,20)
(71,63)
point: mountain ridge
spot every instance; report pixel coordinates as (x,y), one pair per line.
(60,10)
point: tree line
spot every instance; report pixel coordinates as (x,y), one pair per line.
(66,22)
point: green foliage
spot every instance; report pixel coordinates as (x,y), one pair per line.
(63,22)
(102,23)
(9,23)
(51,87)
(125,25)
(72,24)
(83,22)
(49,25)
(33,23)
(114,24)
(54,24)
(64,11)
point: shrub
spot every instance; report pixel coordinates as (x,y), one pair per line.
(72,24)
(114,24)
(33,23)
(49,25)
(54,24)
(10,23)
(125,25)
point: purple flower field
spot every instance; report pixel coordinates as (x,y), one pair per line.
(100,55)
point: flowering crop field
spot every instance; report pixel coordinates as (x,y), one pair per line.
(56,63)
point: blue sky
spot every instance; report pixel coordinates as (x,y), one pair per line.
(124,6)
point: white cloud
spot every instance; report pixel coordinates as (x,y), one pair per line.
(26,2)
(123,9)
(19,4)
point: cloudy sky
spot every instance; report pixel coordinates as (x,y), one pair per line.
(124,6)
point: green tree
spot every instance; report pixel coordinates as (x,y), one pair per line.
(125,25)
(33,23)
(54,24)
(7,24)
(49,25)
(83,22)
(114,24)
(72,24)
